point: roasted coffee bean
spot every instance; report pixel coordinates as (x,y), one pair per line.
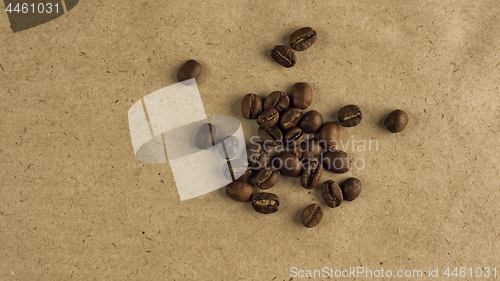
(311,149)
(332,194)
(265,202)
(290,118)
(190,69)
(396,121)
(336,161)
(301,95)
(311,174)
(267,178)
(205,136)
(240,170)
(311,121)
(302,39)
(277,100)
(329,135)
(268,118)
(283,55)
(257,156)
(351,188)
(251,106)
(239,191)
(232,146)
(271,136)
(350,115)
(288,164)
(312,215)
(293,137)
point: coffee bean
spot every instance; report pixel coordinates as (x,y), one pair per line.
(302,39)
(205,136)
(251,106)
(232,146)
(294,136)
(288,164)
(396,121)
(331,193)
(336,161)
(329,135)
(239,191)
(240,170)
(290,118)
(271,136)
(190,69)
(267,178)
(268,118)
(311,149)
(301,95)
(351,188)
(349,115)
(311,174)
(257,156)
(312,215)
(283,55)
(277,100)
(311,121)
(265,202)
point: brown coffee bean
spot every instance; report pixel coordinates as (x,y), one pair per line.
(301,95)
(350,115)
(336,161)
(293,137)
(302,39)
(351,188)
(277,100)
(239,191)
(240,170)
(283,55)
(311,121)
(267,178)
(265,203)
(205,136)
(190,69)
(311,149)
(332,194)
(290,118)
(257,156)
(288,164)
(268,118)
(312,215)
(396,121)
(329,135)
(271,136)
(311,174)
(251,106)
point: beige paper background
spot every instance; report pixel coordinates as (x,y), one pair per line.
(75,204)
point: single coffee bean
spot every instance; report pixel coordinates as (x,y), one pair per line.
(205,136)
(240,170)
(329,135)
(265,202)
(301,95)
(190,69)
(277,100)
(251,106)
(351,188)
(257,156)
(271,136)
(336,161)
(294,136)
(267,178)
(312,215)
(288,164)
(311,174)
(290,118)
(396,121)
(283,55)
(239,191)
(302,39)
(311,149)
(349,115)
(268,118)
(311,122)
(332,194)
(231,145)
